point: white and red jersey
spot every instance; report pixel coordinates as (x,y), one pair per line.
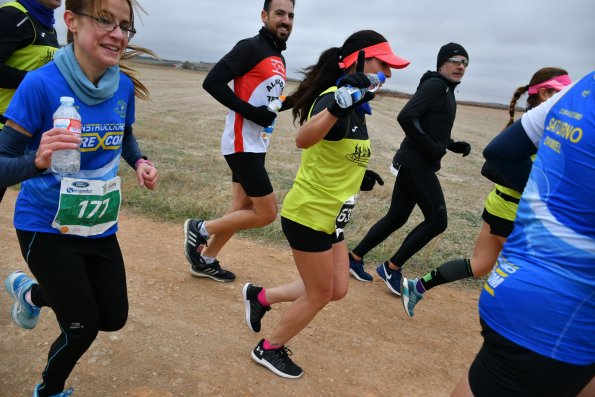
(260,78)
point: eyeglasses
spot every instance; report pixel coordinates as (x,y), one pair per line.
(459,61)
(109,26)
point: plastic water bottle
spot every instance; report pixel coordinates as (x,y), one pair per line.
(67,161)
(274,107)
(348,95)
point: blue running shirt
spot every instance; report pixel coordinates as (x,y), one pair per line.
(33,106)
(541,294)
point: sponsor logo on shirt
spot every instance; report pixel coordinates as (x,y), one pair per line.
(120,108)
(102,136)
(278,67)
(501,272)
(360,155)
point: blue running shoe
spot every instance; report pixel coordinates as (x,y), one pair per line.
(65,393)
(23,314)
(356,268)
(410,296)
(392,279)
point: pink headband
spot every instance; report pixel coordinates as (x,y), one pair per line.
(557,83)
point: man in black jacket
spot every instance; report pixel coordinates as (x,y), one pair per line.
(427,120)
(257,69)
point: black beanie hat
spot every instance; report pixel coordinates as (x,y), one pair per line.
(449,50)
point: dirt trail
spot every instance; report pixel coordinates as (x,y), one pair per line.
(186,336)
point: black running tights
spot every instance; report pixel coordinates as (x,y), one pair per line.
(84,282)
(412,187)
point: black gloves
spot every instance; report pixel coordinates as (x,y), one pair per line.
(359,80)
(460,147)
(260,115)
(370,179)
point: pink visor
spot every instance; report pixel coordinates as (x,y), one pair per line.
(557,83)
(381,51)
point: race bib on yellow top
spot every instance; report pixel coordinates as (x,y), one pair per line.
(87,207)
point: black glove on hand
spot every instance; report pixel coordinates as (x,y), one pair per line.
(370,179)
(260,115)
(461,147)
(359,80)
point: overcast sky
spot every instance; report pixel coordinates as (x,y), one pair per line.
(507,40)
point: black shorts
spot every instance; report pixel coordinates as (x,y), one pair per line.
(503,368)
(248,170)
(498,226)
(303,238)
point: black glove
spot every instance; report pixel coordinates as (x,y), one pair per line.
(370,179)
(260,115)
(357,79)
(460,147)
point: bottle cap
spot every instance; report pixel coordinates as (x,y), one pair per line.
(381,77)
(66,99)
(282,98)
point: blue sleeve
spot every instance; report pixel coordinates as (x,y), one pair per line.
(508,157)
(16,165)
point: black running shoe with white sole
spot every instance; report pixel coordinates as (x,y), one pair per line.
(212,270)
(254,310)
(277,360)
(194,242)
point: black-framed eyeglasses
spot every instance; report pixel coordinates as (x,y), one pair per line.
(459,61)
(109,26)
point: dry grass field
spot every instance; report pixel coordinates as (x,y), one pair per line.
(186,336)
(180,129)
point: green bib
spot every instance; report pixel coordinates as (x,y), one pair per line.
(87,207)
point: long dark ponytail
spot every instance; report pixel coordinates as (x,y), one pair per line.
(325,73)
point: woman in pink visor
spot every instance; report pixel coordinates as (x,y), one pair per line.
(335,152)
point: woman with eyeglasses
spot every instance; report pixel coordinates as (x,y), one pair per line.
(66,224)
(427,120)
(499,211)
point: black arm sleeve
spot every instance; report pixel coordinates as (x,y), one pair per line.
(508,157)
(15,165)
(130,150)
(13,37)
(216,84)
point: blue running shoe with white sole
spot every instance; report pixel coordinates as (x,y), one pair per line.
(65,393)
(23,314)
(409,295)
(392,279)
(356,268)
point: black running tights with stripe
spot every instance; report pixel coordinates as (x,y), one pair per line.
(412,187)
(84,282)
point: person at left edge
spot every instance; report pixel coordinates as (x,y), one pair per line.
(28,41)
(257,69)
(67,226)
